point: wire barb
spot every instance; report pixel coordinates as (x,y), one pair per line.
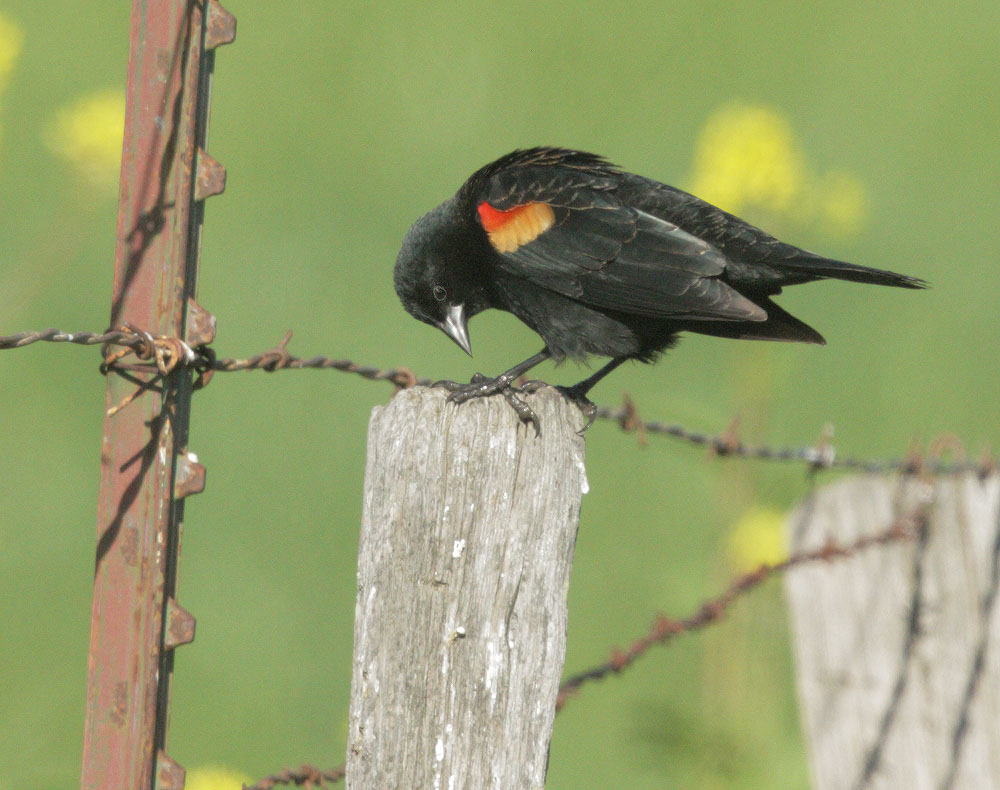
(304,776)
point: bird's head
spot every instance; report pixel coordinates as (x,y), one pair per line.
(434,274)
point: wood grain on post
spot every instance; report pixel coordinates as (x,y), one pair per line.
(468,529)
(898,647)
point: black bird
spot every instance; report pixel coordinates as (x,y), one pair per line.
(599,261)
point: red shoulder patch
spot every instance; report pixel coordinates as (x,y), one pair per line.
(508,230)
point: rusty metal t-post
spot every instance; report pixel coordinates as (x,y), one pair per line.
(146,470)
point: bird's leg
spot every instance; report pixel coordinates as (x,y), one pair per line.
(481,387)
(578,392)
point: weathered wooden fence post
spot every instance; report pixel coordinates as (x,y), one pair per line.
(898,648)
(467,538)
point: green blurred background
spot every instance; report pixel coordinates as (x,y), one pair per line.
(867,131)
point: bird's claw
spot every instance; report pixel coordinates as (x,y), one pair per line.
(524,412)
(479,387)
(533,385)
(586,406)
(449,385)
(482,387)
(473,386)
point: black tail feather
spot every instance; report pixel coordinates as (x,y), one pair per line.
(780,325)
(816,268)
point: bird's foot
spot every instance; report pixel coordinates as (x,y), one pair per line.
(578,395)
(482,387)
(531,386)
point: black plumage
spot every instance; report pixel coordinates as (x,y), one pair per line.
(601,262)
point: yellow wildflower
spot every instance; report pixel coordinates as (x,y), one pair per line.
(748,155)
(215,778)
(11,41)
(757,538)
(88,134)
(748,159)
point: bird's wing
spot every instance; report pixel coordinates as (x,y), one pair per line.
(566,230)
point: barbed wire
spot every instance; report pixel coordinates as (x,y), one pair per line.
(118,337)
(203,358)
(165,353)
(822,455)
(665,629)
(306,776)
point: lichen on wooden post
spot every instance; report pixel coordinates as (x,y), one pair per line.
(468,528)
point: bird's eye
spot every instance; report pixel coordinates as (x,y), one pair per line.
(439,293)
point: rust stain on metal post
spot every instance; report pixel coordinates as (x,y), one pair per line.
(200,324)
(221,27)
(189,475)
(211,178)
(180,626)
(134,618)
(169,775)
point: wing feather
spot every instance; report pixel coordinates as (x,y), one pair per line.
(598,249)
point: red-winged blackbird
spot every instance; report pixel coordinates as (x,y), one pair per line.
(599,261)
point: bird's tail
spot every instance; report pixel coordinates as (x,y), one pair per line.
(815,267)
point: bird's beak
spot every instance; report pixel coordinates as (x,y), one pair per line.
(455,326)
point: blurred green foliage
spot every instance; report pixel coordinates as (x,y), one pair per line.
(339,124)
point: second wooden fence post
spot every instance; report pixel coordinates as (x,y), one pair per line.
(897,647)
